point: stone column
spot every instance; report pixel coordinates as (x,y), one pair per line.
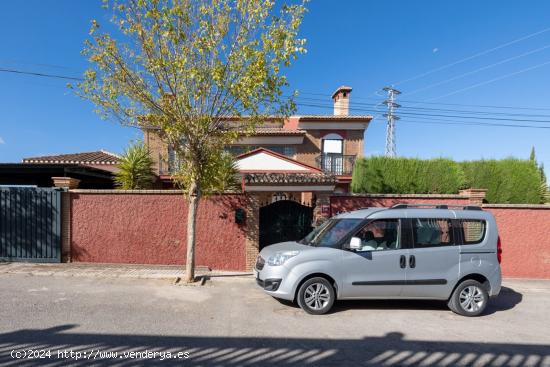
(66,182)
(321,212)
(476,196)
(252,243)
(66,226)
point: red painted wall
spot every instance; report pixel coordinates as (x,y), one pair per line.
(525,239)
(339,204)
(151,229)
(524,232)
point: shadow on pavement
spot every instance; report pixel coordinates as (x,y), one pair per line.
(393,349)
(506,300)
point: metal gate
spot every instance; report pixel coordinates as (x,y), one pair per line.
(284,220)
(30,224)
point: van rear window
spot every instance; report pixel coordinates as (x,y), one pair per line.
(473,231)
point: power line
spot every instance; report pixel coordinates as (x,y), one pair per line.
(326,95)
(472,57)
(39,74)
(428,114)
(374,111)
(471,112)
(480,106)
(477,70)
(425,102)
(491,81)
(484,113)
(470,123)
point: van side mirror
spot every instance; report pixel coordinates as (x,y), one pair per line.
(355,243)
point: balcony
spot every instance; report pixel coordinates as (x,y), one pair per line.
(337,164)
(167,168)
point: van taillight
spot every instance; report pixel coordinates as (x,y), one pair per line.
(499,250)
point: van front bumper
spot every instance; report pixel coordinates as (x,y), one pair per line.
(276,281)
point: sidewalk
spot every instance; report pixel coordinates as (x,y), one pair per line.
(107,270)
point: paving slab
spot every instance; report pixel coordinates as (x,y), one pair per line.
(105,270)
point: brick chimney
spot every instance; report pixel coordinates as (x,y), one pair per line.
(341,101)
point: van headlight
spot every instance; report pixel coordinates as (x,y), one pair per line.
(280,257)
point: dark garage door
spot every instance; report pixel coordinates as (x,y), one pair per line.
(30,224)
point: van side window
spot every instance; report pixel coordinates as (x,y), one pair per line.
(380,235)
(432,232)
(473,231)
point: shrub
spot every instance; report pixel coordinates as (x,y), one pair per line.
(135,168)
(407,176)
(508,180)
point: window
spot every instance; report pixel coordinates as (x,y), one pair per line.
(236,150)
(380,235)
(332,146)
(331,232)
(432,232)
(473,231)
(284,150)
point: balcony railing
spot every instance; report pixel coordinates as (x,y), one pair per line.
(167,168)
(337,164)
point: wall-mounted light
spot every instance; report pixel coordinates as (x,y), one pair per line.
(240,216)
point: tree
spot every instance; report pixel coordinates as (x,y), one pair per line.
(544,190)
(135,168)
(190,67)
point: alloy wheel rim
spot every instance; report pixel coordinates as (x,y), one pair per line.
(316,296)
(471,298)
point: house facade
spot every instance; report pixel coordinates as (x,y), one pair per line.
(288,167)
(328,143)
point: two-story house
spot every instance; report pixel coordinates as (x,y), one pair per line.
(302,147)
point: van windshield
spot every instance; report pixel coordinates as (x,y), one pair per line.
(330,232)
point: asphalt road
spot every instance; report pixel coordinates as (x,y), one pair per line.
(91,321)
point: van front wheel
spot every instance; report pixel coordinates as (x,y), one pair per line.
(316,296)
(469,299)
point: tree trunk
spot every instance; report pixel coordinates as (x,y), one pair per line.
(194,197)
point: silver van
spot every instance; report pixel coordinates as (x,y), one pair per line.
(406,251)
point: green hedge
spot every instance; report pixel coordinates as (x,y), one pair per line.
(508,180)
(406,176)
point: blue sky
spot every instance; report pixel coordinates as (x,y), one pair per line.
(364,44)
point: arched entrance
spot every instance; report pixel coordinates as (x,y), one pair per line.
(284,220)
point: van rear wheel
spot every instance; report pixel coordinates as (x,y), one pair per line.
(470,298)
(316,296)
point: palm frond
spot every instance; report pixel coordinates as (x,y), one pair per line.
(135,168)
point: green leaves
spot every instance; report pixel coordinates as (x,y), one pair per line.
(407,176)
(509,180)
(135,168)
(183,68)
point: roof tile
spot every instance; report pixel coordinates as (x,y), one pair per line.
(98,157)
(289,178)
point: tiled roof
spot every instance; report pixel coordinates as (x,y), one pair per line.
(289,178)
(277,131)
(359,118)
(98,157)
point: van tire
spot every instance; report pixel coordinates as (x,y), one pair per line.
(469,298)
(319,288)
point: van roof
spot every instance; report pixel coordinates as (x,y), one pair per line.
(418,210)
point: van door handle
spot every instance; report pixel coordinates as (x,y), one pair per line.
(412,261)
(402,262)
